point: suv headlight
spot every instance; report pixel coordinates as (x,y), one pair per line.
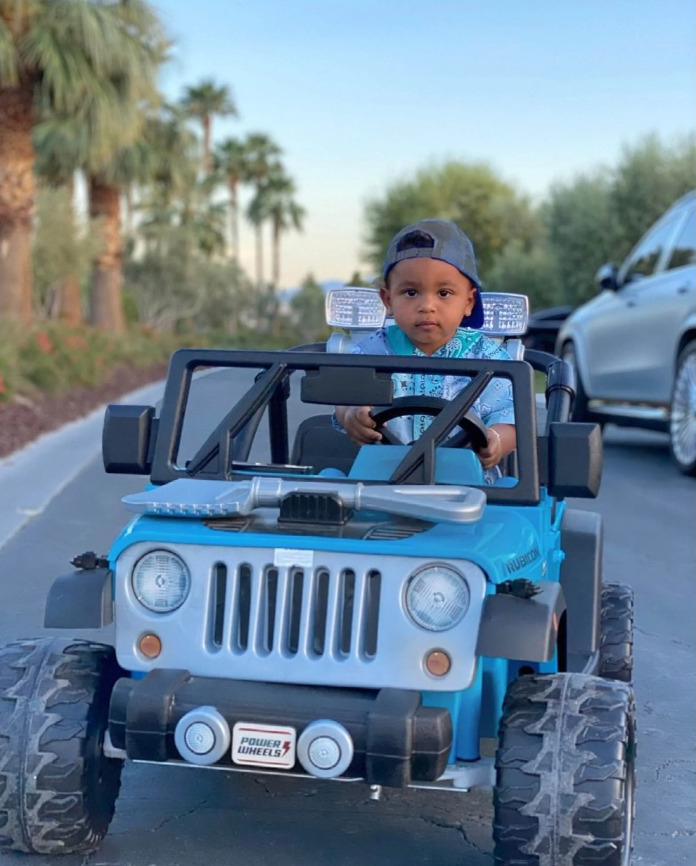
(161,581)
(437,597)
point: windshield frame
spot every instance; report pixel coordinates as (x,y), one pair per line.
(333,367)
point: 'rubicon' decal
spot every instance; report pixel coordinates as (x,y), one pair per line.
(513,565)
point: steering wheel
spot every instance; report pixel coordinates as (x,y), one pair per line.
(472,435)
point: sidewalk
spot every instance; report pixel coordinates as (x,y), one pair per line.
(55,458)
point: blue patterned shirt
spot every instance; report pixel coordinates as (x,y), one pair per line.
(494,405)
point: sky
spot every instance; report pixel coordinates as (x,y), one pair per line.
(362,94)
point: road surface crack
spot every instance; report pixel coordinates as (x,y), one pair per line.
(453,825)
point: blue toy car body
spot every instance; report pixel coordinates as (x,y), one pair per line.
(299,605)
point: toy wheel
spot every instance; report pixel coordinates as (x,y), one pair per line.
(580,411)
(616,633)
(57,789)
(565,772)
(682,423)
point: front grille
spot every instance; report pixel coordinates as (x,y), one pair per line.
(264,610)
(298,615)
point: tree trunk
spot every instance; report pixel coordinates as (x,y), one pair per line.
(106,301)
(234,221)
(69,295)
(276,253)
(16,201)
(259,256)
(70,301)
(207,123)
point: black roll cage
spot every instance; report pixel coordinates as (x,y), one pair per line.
(346,380)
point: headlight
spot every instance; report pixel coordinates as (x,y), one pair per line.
(161,581)
(437,597)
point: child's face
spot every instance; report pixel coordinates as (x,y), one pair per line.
(428,300)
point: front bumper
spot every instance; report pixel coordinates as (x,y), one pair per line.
(396,740)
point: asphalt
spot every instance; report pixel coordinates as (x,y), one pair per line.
(56,458)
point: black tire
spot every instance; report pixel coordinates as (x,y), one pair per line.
(57,789)
(616,633)
(682,416)
(580,411)
(565,772)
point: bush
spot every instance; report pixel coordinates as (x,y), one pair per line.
(532,272)
(52,357)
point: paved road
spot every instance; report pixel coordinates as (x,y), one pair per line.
(185,817)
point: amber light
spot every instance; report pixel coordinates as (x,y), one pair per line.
(438,663)
(150,646)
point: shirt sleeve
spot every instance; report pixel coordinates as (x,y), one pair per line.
(373,344)
(496,404)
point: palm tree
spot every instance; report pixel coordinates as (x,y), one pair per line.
(261,156)
(231,163)
(256,215)
(176,203)
(261,161)
(280,208)
(57,146)
(173,149)
(70,63)
(203,102)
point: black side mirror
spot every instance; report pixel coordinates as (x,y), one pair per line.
(605,278)
(127,439)
(570,459)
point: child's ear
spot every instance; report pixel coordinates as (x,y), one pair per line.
(384,295)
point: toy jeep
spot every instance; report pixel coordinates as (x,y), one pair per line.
(286,602)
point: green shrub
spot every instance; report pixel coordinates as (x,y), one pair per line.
(53,357)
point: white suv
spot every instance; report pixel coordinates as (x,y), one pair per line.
(633,347)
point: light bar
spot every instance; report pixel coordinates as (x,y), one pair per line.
(355,308)
(504,315)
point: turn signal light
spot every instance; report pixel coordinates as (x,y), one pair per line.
(438,663)
(150,646)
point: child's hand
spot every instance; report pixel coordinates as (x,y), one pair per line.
(492,454)
(358,424)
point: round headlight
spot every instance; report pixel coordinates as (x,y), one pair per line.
(161,581)
(437,597)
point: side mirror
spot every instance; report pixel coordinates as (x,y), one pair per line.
(605,278)
(574,459)
(127,438)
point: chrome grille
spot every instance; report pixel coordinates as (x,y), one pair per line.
(267,609)
(287,615)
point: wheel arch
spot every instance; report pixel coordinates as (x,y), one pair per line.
(687,337)
(582,371)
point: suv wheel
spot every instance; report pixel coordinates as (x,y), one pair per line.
(57,789)
(682,422)
(580,411)
(616,633)
(565,769)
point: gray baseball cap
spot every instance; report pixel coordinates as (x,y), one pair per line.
(438,239)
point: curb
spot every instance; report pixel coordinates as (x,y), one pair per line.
(32,477)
